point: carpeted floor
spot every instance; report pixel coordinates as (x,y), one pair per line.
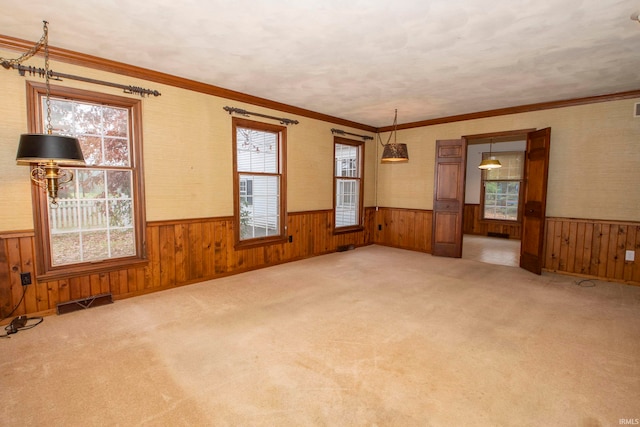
(338,340)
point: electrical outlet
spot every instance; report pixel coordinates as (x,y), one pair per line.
(379,227)
(25,279)
(630,256)
(290,238)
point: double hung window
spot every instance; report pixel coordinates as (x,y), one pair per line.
(348,164)
(501,188)
(99,218)
(259,184)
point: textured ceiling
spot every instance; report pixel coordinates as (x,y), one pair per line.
(360,59)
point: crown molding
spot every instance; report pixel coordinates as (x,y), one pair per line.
(94,62)
(527,108)
(90,61)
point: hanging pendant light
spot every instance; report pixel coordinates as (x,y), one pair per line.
(490,163)
(47,150)
(394,152)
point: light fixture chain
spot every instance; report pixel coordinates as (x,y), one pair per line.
(47,76)
(393,132)
(395,128)
(46,150)
(8,63)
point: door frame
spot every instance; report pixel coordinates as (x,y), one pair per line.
(510,134)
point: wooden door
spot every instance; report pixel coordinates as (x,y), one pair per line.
(448,197)
(536,168)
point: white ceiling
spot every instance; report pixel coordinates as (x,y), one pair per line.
(360,59)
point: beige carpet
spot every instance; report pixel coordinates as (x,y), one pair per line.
(338,340)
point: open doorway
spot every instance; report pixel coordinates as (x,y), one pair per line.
(449,197)
(492,215)
(491,250)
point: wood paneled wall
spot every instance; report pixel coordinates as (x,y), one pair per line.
(403,228)
(588,248)
(593,248)
(179,253)
(473,225)
(189,251)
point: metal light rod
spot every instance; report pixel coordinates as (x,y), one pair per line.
(240,111)
(23,69)
(342,132)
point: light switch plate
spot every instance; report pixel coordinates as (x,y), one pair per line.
(630,256)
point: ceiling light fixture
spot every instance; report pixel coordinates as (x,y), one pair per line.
(491,162)
(46,150)
(393,151)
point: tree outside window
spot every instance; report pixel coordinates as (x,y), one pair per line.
(99,217)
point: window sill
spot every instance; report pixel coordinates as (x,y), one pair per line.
(89,268)
(254,243)
(350,229)
(500,221)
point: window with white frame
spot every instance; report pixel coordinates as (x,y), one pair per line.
(348,164)
(501,188)
(259,172)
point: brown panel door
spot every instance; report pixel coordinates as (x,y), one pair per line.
(536,168)
(448,197)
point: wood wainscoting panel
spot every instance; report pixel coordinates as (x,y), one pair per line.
(179,252)
(403,228)
(190,251)
(473,224)
(17,255)
(593,248)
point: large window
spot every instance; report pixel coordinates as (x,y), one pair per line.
(348,157)
(99,218)
(501,188)
(259,184)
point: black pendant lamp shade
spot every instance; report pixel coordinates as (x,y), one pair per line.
(46,151)
(43,148)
